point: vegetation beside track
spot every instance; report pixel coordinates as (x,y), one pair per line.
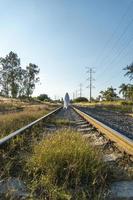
(8,107)
(61,166)
(64,166)
(12,121)
(122,106)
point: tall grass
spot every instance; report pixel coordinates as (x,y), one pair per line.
(13,121)
(64,166)
(8,107)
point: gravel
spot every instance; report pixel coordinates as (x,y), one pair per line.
(116,120)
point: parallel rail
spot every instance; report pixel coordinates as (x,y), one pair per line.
(23,129)
(124,143)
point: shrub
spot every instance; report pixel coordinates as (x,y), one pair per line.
(43,97)
(80,99)
(126,103)
(64,166)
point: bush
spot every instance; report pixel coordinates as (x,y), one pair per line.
(80,99)
(43,97)
(64,166)
(126,103)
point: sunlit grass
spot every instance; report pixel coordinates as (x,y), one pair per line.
(13,121)
(8,107)
(122,106)
(64,166)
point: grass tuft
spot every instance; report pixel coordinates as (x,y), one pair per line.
(64,166)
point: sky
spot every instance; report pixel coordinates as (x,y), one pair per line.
(64,37)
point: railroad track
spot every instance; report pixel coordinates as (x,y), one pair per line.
(119,121)
(23,129)
(91,128)
(123,142)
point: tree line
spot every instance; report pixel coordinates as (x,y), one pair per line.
(16,81)
(125,89)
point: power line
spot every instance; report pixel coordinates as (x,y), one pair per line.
(117,55)
(125,30)
(120,52)
(113,47)
(122,35)
(116,29)
(127,52)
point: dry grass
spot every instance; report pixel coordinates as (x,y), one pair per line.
(121,106)
(64,166)
(13,121)
(8,107)
(7,104)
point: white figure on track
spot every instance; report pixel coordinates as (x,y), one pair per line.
(66,101)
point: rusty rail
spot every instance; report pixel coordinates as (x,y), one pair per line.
(123,142)
(23,129)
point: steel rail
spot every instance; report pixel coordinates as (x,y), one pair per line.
(123,142)
(21,130)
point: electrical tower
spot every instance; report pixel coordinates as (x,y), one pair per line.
(90,78)
(73,96)
(80,90)
(76,94)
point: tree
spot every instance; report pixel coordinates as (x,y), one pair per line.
(31,78)
(124,90)
(4,83)
(15,81)
(130,92)
(22,83)
(109,94)
(129,70)
(127,91)
(10,74)
(43,97)
(80,99)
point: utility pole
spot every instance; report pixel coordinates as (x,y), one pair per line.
(73,96)
(76,94)
(80,90)
(90,71)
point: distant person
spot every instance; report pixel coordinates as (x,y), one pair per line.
(66,101)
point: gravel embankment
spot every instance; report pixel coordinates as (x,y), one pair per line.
(116,120)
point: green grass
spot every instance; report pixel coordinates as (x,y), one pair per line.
(64,166)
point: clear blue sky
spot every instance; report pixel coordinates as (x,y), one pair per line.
(64,36)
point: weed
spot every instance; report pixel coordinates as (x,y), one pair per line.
(64,166)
